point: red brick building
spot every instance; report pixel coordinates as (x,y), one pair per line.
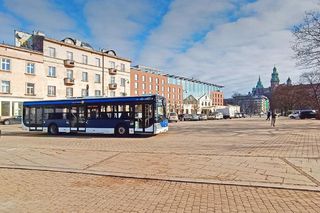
(217,98)
(142,82)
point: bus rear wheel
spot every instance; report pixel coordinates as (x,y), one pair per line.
(121,130)
(53,129)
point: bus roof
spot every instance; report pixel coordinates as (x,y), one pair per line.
(92,100)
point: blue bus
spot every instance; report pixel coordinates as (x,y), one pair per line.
(116,115)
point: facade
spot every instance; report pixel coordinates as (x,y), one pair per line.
(151,82)
(217,98)
(39,68)
(177,89)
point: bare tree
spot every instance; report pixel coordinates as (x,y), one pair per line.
(312,78)
(307,41)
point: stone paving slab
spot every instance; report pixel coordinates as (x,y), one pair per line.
(35,191)
(257,171)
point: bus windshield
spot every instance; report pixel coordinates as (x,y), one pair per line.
(161,110)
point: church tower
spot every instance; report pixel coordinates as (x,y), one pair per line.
(274,78)
(289,82)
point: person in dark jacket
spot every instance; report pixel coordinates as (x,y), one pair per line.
(268,115)
(273,118)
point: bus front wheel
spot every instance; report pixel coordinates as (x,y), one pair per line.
(53,129)
(121,130)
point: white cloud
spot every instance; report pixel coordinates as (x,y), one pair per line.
(43,16)
(233,54)
(184,20)
(115,23)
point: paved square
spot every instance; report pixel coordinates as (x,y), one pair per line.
(228,165)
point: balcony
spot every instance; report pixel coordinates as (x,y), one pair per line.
(112,86)
(112,71)
(68,81)
(69,63)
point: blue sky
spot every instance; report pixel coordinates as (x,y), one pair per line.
(227,42)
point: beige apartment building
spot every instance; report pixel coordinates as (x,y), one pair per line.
(41,68)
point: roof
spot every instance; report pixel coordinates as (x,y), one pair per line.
(193,80)
(85,49)
(92,100)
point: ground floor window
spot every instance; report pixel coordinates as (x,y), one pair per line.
(5,108)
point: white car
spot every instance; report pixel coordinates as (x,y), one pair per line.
(294,115)
(173,117)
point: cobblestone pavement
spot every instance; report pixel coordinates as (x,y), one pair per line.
(38,191)
(281,165)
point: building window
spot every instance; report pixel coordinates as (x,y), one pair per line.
(52,72)
(5,64)
(143,78)
(84,92)
(122,67)
(143,86)
(136,85)
(123,82)
(97,78)
(157,80)
(70,74)
(69,92)
(112,80)
(162,89)
(150,86)
(84,59)
(97,92)
(69,55)
(112,64)
(136,77)
(51,90)
(162,81)
(157,88)
(136,92)
(5,108)
(30,89)
(52,52)
(5,86)
(112,93)
(84,76)
(150,79)
(30,68)
(98,62)
(168,89)
(173,89)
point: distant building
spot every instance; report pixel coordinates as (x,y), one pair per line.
(178,90)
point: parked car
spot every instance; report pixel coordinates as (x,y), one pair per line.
(307,114)
(11,120)
(237,115)
(187,117)
(215,116)
(195,117)
(294,115)
(173,117)
(203,117)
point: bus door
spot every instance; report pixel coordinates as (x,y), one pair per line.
(143,118)
(36,120)
(77,119)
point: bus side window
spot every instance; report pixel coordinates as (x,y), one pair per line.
(109,111)
(32,115)
(103,113)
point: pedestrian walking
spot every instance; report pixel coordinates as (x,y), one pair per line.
(273,118)
(268,115)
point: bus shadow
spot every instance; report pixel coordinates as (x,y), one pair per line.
(72,135)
